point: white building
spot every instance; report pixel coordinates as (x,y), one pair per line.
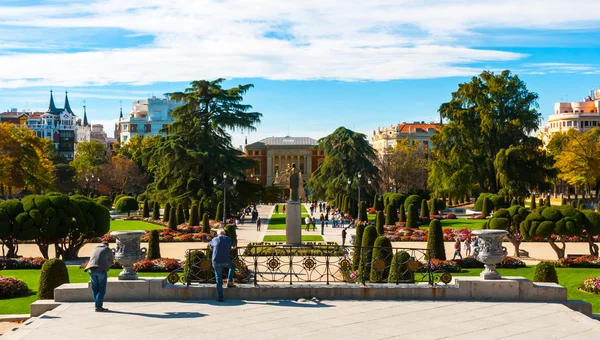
(581,116)
(420,132)
(147,118)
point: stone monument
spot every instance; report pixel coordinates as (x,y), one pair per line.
(490,251)
(128,252)
(293,217)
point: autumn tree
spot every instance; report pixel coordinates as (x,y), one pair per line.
(409,165)
(89,156)
(577,157)
(122,175)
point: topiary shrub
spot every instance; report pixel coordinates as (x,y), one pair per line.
(201,210)
(486,207)
(368,241)
(402,215)
(541,202)
(186,212)
(117,198)
(360,228)
(11,287)
(435,241)
(167,212)
(379,222)
(146,209)
(424,209)
(412,220)
(391,215)
(412,199)
(179,214)
(379,204)
(205,224)
(194,220)
(563,201)
(127,204)
(105,201)
(548,202)
(53,274)
(173,219)
(364,217)
(156,211)
(399,271)
(230,230)
(153,245)
(219,213)
(532,203)
(375,198)
(545,272)
(514,202)
(382,251)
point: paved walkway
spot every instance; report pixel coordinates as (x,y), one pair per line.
(311,320)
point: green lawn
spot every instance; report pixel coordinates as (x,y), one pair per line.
(118,225)
(32,276)
(281,238)
(460,223)
(277,222)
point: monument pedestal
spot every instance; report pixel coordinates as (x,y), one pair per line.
(293,223)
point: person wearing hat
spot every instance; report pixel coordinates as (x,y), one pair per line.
(99,264)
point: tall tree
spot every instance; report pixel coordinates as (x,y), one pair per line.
(409,165)
(122,175)
(64,178)
(577,157)
(347,153)
(88,157)
(490,113)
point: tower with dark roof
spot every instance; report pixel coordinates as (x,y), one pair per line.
(67,105)
(51,107)
(85,121)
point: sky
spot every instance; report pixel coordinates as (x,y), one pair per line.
(315,64)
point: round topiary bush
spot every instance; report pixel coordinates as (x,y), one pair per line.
(545,272)
(173,219)
(11,287)
(127,204)
(117,198)
(53,274)
(412,199)
(379,222)
(412,220)
(105,201)
(435,241)
(205,224)
(382,251)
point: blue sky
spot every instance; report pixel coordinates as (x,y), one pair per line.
(315,64)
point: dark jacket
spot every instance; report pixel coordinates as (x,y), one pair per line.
(102,257)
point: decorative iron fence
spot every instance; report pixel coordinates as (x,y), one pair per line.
(328,263)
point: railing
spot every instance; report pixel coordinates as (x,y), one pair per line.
(322,263)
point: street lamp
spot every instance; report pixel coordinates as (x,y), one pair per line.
(359,176)
(224,194)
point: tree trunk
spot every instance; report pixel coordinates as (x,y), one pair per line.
(515,242)
(43,249)
(11,248)
(560,253)
(593,246)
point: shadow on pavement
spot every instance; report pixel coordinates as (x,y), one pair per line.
(167,315)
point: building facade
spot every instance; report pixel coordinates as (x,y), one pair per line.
(581,116)
(274,154)
(147,118)
(419,132)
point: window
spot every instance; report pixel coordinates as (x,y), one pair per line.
(595,123)
(256,169)
(586,123)
(569,123)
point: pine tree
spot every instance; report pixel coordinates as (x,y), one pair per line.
(486,208)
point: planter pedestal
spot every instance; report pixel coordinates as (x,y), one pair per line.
(490,251)
(128,252)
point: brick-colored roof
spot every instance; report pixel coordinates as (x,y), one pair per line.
(417,127)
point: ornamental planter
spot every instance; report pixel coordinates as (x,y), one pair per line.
(490,251)
(128,252)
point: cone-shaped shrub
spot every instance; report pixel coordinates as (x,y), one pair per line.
(368,240)
(545,272)
(156,211)
(194,220)
(53,274)
(360,228)
(375,201)
(173,219)
(379,204)
(386,200)
(402,217)
(532,203)
(205,224)
(180,216)
(487,207)
(435,241)
(379,222)
(146,209)
(412,220)
(153,245)
(390,215)
(548,202)
(382,251)
(399,271)
(201,210)
(363,211)
(167,212)
(219,212)
(541,202)
(424,209)
(230,230)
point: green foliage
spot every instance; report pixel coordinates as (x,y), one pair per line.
(424,209)
(412,199)
(126,204)
(391,215)
(193,267)
(156,211)
(487,207)
(382,251)
(380,222)
(541,202)
(219,212)
(402,215)
(153,245)
(563,201)
(105,201)
(146,209)
(548,201)
(179,214)
(360,228)
(205,223)
(435,241)
(399,271)
(524,167)
(412,219)
(53,274)
(545,272)
(230,230)
(368,240)
(167,212)
(117,198)
(194,218)
(379,204)
(173,219)
(514,202)
(532,205)
(375,198)
(363,211)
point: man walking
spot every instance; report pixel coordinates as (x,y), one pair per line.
(221,246)
(344,233)
(258,223)
(307,221)
(457,249)
(99,264)
(277,208)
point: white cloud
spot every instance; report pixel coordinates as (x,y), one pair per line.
(317,39)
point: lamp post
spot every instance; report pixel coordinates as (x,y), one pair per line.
(359,176)
(224,194)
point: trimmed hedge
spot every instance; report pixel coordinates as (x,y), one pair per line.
(545,272)
(424,209)
(487,206)
(173,219)
(11,287)
(153,245)
(105,201)
(412,220)
(146,209)
(156,211)
(167,212)
(379,222)
(127,204)
(368,240)
(399,271)
(382,251)
(435,241)
(412,199)
(205,224)
(363,211)
(194,219)
(402,215)
(360,228)
(180,214)
(219,212)
(53,274)
(391,215)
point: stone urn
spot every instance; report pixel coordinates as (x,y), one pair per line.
(490,251)
(128,252)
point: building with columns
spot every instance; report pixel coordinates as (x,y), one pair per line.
(419,132)
(274,154)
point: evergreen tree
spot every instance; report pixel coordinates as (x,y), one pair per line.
(153,245)
(382,250)
(402,214)
(514,202)
(435,241)
(201,209)
(363,212)
(375,198)
(156,211)
(146,209)
(487,207)
(219,212)
(424,210)
(179,215)
(412,219)
(205,224)
(368,241)
(194,220)
(360,228)
(548,202)
(541,202)
(379,223)
(173,219)
(167,212)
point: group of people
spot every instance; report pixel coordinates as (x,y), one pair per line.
(468,244)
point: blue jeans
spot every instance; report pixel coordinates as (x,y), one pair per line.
(98,278)
(219,276)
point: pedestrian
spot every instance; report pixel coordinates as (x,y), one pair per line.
(311,210)
(457,249)
(322,226)
(283,208)
(277,208)
(344,234)
(307,221)
(221,246)
(468,247)
(314,223)
(99,264)
(258,223)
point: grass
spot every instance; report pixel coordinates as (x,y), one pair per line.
(281,238)
(460,223)
(118,225)
(32,276)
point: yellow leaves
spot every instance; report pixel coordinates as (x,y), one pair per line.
(578,157)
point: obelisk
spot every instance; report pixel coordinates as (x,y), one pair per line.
(293,217)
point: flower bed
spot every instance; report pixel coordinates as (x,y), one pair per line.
(272,249)
(184,233)
(456,266)
(580,262)
(162,265)
(443,217)
(11,287)
(401,234)
(22,263)
(591,285)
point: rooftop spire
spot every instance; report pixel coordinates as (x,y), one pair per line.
(121,115)
(51,106)
(67,106)
(85,121)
